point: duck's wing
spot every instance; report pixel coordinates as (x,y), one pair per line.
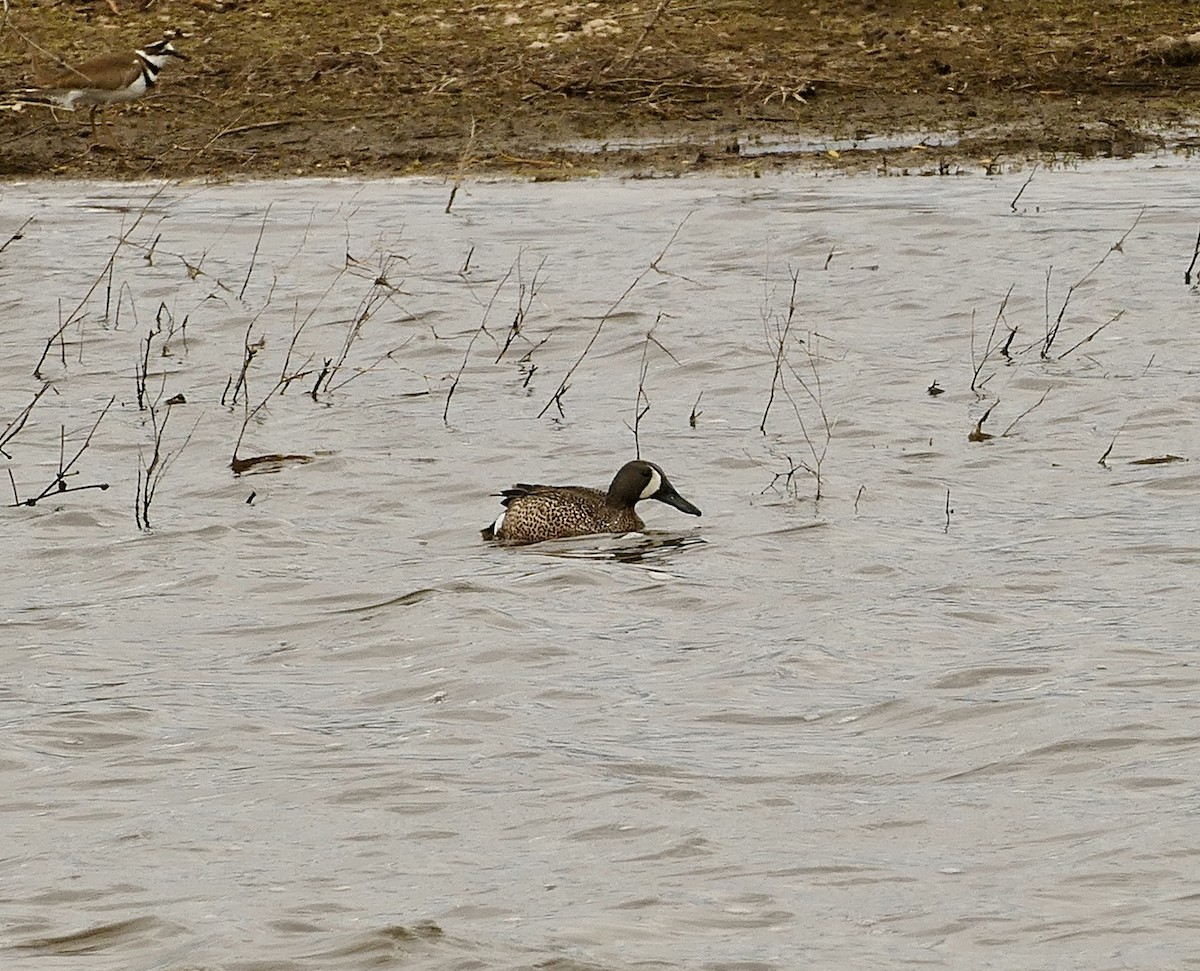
(580,494)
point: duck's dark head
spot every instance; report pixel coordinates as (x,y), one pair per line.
(644,480)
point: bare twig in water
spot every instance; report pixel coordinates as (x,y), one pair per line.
(641,402)
(1013,423)
(249,352)
(695,412)
(1117,247)
(1108,451)
(1004,351)
(150,473)
(58,485)
(381,291)
(988,347)
(235,462)
(1187,274)
(949,511)
(781,349)
(1024,186)
(13,428)
(254,256)
(817,447)
(564,384)
(108,295)
(788,478)
(77,313)
(141,373)
(525,296)
(817,397)
(1112,320)
(481,329)
(20,233)
(464,160)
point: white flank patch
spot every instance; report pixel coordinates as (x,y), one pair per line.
(497,524)
(653,486)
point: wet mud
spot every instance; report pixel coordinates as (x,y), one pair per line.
(558,90)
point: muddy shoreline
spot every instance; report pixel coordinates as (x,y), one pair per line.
(561,90)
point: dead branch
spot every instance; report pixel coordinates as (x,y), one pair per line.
(1104,458)
(13,428)
(254,256)
(1013,423)
(525,298)
(464,160)
(1187,274)
(380,292)
(564,384)
(1117,247)
(479,331)
(141,373)
(988,347)
(1112,320)
(58,485)
(1024,186)
(641,402)
(76,314)
(150,474)
(781,349)
(632,51)
(20,233)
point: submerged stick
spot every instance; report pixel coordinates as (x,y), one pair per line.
(12,429)
(1187,274)
(988,348)
(1117,247)
(564,384)
(1024,186)
(463,161)
(74,314)
(58,484)
(20,233)
(640,412)
(780,350)
(1013,423)
(254,256)
(481,329)
(1112,320)
(525,296)
(150,476)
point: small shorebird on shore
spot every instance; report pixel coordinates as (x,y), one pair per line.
(99,81)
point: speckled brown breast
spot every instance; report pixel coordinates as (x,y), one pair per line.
(536,512)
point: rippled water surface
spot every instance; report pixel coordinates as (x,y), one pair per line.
(945,715)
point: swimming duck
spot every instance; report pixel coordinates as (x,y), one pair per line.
(533,513)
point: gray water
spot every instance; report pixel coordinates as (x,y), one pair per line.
(945,715)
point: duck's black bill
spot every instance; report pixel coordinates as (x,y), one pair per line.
(673,498)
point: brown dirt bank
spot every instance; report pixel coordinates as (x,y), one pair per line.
(411,86)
